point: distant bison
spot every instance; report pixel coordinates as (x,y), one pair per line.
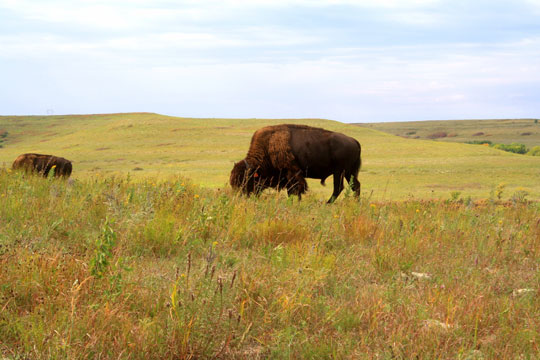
(42,164)
(282,156)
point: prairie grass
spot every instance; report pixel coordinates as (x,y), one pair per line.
(165,269)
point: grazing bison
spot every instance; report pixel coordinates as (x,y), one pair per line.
(42,164)
(282,156)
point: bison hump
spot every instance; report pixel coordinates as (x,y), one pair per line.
(279,149)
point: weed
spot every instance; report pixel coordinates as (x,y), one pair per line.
(103,252)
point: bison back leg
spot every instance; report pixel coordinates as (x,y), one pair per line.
(338,187)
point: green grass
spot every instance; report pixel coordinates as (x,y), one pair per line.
(113,268)
(204,151)
(521,131)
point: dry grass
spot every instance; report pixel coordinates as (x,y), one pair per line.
(188,272)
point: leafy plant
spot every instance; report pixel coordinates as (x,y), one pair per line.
(103,252)
(513,147)
(534,151)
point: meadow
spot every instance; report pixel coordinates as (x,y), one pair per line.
(111,268)
(204,150)
(439,258)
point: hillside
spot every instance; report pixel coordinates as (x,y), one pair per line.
(523,131)
(151,145)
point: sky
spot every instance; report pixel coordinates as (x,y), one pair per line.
(345,60)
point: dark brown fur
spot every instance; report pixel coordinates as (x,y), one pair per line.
(282,156)
(42,164)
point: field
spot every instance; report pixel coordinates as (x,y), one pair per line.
(522,131)
(439,258)
(204,150)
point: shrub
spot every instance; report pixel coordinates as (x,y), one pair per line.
(478,134)
(479,142)
(437,135)
(534,151)
(513,147)
(526,133)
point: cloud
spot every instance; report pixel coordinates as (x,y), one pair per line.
(342,59)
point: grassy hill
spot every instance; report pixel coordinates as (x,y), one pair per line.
(151,145)
(522,131)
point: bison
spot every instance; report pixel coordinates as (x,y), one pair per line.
(42,164)
(282,156)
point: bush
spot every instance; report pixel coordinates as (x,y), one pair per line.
(437,135)
(513,147)
(534,151)
(479,142)
(478,134)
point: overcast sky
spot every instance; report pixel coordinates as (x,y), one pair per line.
(346,60)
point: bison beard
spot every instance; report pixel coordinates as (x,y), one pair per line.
(43,164)
(282,156)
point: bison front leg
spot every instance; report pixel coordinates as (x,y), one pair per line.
(338,187)
(296,184)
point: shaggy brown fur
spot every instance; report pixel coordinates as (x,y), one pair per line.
(43,164)
(282,156)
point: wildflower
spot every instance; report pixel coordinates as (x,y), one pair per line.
(196,196)
(417,210)
(335,216)
(373,206)
(183,275)
(214,244)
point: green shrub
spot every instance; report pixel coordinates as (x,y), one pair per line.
(513,147)
(479,142)
(534,151)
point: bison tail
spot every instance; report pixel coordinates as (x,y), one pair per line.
(323,182)
(359,161)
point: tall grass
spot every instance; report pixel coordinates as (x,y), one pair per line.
(112,268)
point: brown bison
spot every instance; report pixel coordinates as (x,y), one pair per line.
(282,156)
(42,164)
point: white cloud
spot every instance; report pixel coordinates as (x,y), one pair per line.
(212,55)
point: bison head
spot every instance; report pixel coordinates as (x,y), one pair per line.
(245,178)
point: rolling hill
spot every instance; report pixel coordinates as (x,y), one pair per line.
(151,145)
(504,131)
